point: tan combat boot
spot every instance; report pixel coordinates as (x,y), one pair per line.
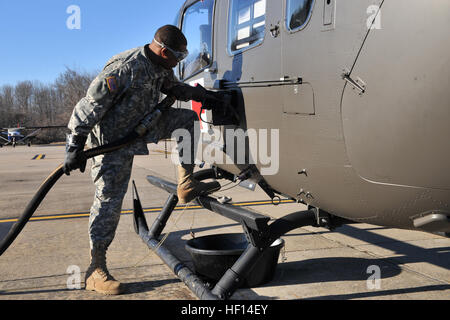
(97,276)
(189,188)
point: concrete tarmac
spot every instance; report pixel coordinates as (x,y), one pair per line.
(48,259)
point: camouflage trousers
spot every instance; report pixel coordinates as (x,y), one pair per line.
(111,175)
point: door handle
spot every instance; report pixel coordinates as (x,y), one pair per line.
(274,30)
(212,68)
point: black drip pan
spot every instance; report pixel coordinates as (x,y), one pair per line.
(213,255)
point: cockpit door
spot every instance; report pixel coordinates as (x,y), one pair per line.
(247,43)
(298,99)
(196,22)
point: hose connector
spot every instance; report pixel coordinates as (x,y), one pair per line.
(148,122)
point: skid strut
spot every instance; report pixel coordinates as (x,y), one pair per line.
(257,230)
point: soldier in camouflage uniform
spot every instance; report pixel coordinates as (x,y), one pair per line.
(128,88)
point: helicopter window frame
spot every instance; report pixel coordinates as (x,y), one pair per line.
(232,29)
(289,16)
(181,73)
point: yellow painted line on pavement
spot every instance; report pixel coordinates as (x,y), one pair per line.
(178,208)
(38,157)
(162,151)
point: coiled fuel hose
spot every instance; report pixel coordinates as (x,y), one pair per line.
(147,123)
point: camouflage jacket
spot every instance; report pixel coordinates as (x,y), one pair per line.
(125,91)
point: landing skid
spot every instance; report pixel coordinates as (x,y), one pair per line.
(259,233)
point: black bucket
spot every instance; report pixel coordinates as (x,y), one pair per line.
(213,255)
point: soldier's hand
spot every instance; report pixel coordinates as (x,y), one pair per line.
(75,158)
(186,92)
(214,100)
(209,99)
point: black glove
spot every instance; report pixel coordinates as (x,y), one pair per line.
(216,100)
(75,158)
(209,99)
(185,92)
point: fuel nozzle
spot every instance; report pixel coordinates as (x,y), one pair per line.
(219,99)
(223,105)
(150,120)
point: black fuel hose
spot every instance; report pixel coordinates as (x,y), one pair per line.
(45,187)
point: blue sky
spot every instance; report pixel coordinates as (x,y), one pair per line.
(36,44)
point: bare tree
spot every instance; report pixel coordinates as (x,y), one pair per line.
(73,86)
(23,93)
(42,104)
(37,104)
(9,113)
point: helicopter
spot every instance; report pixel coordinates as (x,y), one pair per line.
(354,96)
(341,106)
(14,136)
(357,92)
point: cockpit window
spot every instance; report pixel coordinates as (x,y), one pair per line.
(246,25)
(176,19)
(197,27)
(298,13)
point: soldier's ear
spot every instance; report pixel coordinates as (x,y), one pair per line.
(165,53)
